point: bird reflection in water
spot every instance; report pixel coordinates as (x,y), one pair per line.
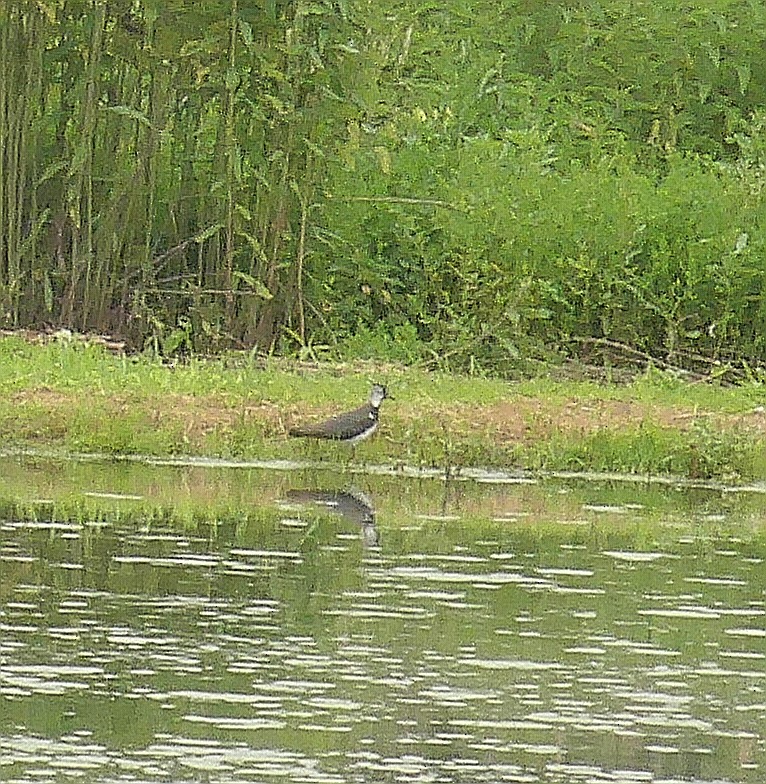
(353,505)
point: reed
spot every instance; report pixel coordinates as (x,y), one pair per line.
(149,175)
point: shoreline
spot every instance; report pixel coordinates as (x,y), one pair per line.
(80,398)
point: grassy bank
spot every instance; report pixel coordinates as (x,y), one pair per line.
(74,397)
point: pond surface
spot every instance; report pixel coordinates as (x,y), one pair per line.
(185,623)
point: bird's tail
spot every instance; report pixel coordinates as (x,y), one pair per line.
(300,432)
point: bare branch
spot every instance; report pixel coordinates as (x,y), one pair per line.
(405,200)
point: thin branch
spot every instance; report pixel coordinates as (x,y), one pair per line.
(157,260)
(196,291)
(626,349)
(404,200)
(301,256)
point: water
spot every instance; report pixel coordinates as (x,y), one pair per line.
(308,626)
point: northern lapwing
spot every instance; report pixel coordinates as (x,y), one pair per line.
(351,427)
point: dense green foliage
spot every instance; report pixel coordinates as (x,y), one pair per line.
(468,183)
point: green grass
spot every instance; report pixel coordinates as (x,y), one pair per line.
(74,397)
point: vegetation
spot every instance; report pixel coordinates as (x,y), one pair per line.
(65,397)
(469,186)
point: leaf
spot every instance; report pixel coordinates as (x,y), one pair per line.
(48,292)
(314,9)
(52,170)
(258,288)
(744,73)
(36,230)
(232,79)
(253,243)
(318,151)
(129,111)
(246,31)
(242,210)
(207,233)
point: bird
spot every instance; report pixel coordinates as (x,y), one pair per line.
(350,427)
